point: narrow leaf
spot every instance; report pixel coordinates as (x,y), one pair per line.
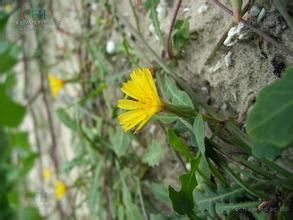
(178,145)
(199,132)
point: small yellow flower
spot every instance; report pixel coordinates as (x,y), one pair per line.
(47,174)
(56,84)
(145,100)
(60,189)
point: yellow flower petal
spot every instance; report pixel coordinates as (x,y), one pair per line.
(141,87)
(128,104)
(56,84)
(47,174)
(60,189)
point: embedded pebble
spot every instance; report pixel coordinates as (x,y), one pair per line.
(254,11)
(261,15)
(224,107)
(110,47)
(161,11)
(134,143)
(152,129)
(251,159)
(236,33)
(94,6)
(215,67)
(204,89)
(186,10)
(203,8)
(151,28)
(228,59)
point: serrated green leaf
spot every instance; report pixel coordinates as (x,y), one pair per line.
(120,142)
(94,190)
(154,154)
(178,145)
(177,96)
(199,132)
(207,199)
(131,209)
(66,119)
(182,200)
(270,120)
(11,113)
(160,192)
(181,34)
(152,5)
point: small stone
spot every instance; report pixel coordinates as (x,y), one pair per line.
(152,129)
(215,67)
(228,59)
(224,107)
(94,6)
(110,47)
(134,143)
(254,11)
(261,15)
(203,8)
(151,28)
(186,10)
(161,11)
(204,89)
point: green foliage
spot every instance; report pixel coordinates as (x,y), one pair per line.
(178,145)
(207,199)
(11,113)
(30,214)
(7,56)
(66,119)
(165,118)
(175,95)
(95,188)
(3,21)
(199,133)
(131,209)
(181,35)
(120,141)
(266,151)
(152,5)
(154,154)
(270,120)
(160,192)
(182,200)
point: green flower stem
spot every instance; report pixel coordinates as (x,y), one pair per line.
(187,112)
(180,110)
(217,173)
(222,164)
(207,180)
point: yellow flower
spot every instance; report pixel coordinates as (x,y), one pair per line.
(145,100)
(60,189)
(47,174)
(56,84)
